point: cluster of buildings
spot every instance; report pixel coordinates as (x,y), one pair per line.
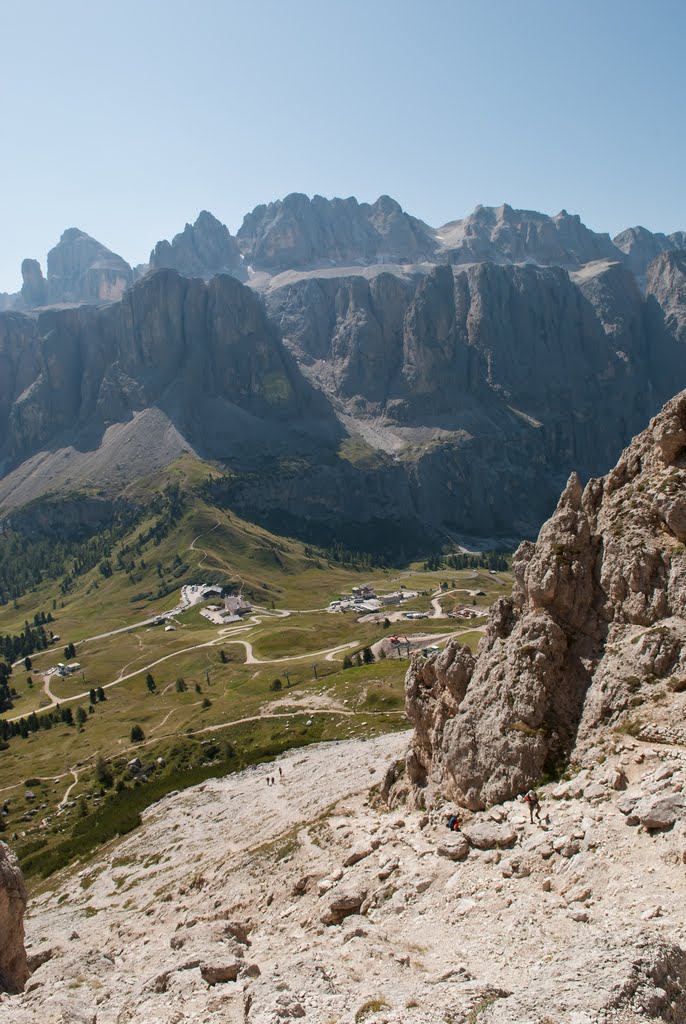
(232,608)
(67,670)
(364,599)
(466,613)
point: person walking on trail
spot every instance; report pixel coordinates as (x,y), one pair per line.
(534,805)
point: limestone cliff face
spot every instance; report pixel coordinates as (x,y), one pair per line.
(667,285)
(206,354)
(81,269)
(299,232)
(470,391)
(595,624)
(581,360)
(13,968)
(202,249)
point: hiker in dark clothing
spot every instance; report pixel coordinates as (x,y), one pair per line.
(532,800)
(453,823)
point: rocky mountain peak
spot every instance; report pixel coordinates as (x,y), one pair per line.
(34,289)
(298,232)
(202,249)
(595,626)
(640,247)
(81,269)
(504,235)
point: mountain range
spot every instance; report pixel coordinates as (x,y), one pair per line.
(347,369)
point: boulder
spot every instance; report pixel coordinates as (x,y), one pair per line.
(14,970)
(342,901)
(221,969)
(387,869)
(357,853)
(517,866)
(454,847)
(618,779)
(487,835)
(660,812)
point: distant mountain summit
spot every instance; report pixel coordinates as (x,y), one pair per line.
(504,235)
(81,269)
(378,378)
(299,233)
(203,249)
(301,236)
(641,247)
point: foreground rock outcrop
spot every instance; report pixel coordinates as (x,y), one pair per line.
(594,630)
(13,967)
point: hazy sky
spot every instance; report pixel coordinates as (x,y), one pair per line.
(127,118)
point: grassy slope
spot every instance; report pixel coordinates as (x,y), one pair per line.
(274,570)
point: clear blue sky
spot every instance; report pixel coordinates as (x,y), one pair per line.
(127,118)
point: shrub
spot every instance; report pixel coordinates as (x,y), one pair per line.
(137,734)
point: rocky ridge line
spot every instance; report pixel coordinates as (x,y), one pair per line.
(595,629)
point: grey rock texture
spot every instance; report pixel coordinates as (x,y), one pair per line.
(580,920)
(13,968)
(504,235)
(34,290)
(447,398)
(202,249)
(595,620)
(298,232)
(204,354)
(81,269)
(463,398)
(641,246)
(667,285)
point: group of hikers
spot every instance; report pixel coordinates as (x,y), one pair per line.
(271,779)
(531,800)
